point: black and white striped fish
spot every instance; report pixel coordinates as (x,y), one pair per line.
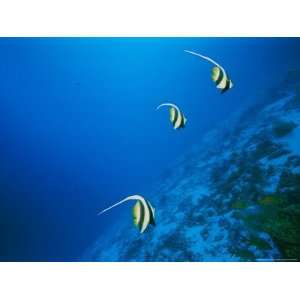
(177,118)
(218,74)
(143,212)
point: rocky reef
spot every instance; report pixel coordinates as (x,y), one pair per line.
(235,197)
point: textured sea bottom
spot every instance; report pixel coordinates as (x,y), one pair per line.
(234,198)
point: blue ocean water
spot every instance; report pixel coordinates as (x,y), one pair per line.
(79,127)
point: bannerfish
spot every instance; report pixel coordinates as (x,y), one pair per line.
(143,212)
(177,118)
(218,74)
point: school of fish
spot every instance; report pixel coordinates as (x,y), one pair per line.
(143,211)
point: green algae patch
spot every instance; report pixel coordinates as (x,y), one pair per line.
(284,228)
(244,254)
(259,243)
(270,200)
(279,216)
(239,204)
(282,222)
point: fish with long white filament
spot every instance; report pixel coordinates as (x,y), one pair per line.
(177,118)
(143,212)
(218,73)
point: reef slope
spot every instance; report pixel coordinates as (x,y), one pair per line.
(235,197)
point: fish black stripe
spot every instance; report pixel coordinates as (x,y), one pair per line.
(151,221)
(227,86)
(142,215)
(182,121)
(220,77)
(175,116)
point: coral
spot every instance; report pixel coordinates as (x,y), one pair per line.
(293,161)
(204,233)
(176,244)
(267,148)
(131,253)
(289,186)
(244,254)
(224,223)
(239,204)
(283,128)
(218,238)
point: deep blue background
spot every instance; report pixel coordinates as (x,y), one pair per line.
(79,129)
